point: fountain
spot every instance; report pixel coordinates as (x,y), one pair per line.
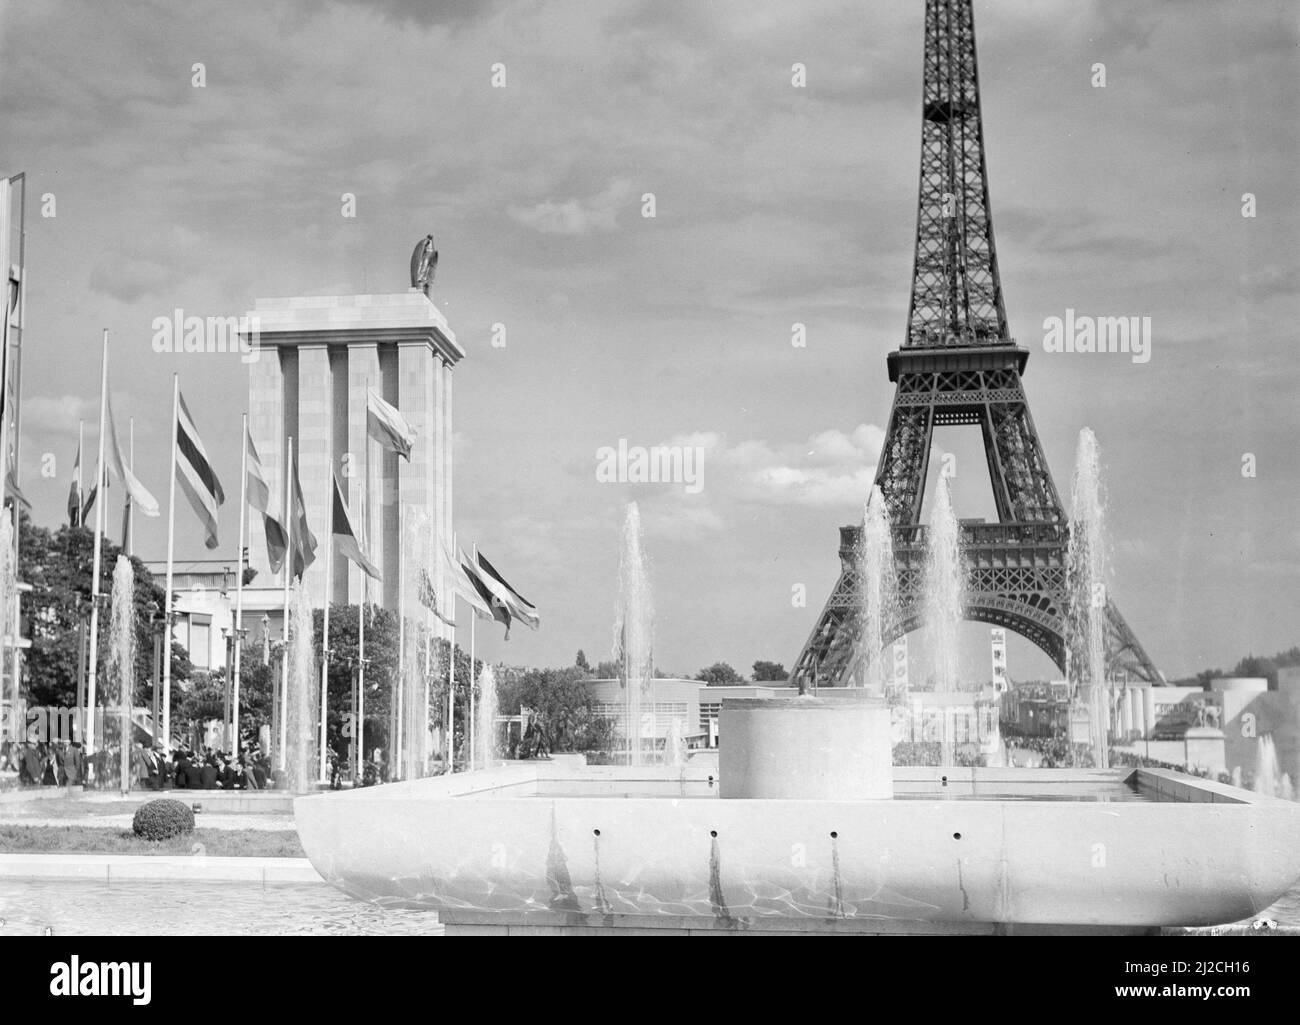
(420,656)
(8,584)
(675,744)
(303,696)
(879,595)
(802,823)
(945,586)
(633,633)
(121,660)
(1267,771)
(1085,657)
(486,713)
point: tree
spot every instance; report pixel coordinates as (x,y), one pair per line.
(564,703)
(381,672)
(581,661)
(58,566)
(769,671)
(720,675)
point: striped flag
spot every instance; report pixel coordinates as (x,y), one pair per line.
(304,541)
(259,498)
(496,604)
(463,585)
(519,606)
(387,426)
(346,536)
(429,597)
(137,493)
(197,477)
(74,492)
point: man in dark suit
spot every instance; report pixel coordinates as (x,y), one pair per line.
(152,769)
(208,774)
(31,764)
(184,770)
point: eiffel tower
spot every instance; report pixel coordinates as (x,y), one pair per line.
(959,365)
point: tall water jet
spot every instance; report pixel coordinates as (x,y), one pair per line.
(879,595)
(1086,579)
(675,744)
(1267,770)
(304,698)
(121,659)
(945,587)
(633,632)
(428,605)
(485,738)
(8,624)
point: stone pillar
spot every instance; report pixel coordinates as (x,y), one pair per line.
(1126,713)
(265,424)
(1149,710)
(363,367)
(312,454)
(438,513)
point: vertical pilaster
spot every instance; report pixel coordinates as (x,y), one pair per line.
(363,367)
(312,455)
(265,424)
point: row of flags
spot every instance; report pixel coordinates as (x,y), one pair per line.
(473,577)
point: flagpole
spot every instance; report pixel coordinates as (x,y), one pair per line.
(325,628)
(361,688)
(171,539)
(94,579)
(473,679)
(239,589)
(451,687)
(81,491)
(361,649)
(128,534)
(395,748)
(283,739)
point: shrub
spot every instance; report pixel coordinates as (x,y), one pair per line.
(162,819)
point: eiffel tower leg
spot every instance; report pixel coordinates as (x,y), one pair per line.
(905,457)
(1124,653)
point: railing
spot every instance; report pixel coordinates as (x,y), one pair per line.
(974,535)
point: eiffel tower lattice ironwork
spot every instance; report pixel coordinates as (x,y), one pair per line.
(959,365)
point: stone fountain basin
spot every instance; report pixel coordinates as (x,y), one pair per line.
(954,847)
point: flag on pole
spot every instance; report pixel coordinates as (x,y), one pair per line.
(519,606)
(74,495)
(259,497)
(346,536)
(117,466)
(197,477)
(429,597)
(387,426)
(462,585)
(304,541)
(13,491)
(495,603)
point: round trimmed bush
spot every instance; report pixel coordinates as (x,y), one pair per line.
(162,819)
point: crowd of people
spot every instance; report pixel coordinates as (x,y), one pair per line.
(65,764)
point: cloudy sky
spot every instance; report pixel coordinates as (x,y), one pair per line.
(775,205)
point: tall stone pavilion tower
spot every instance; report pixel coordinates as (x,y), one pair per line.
(316,357)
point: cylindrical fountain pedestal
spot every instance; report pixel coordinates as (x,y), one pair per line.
(806,748)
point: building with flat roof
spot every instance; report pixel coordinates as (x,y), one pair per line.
(316,359)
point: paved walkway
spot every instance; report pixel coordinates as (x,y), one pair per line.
(111,868)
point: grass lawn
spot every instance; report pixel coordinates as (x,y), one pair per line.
(218,843)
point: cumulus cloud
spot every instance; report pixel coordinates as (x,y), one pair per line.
(598,213)
(832,468)
(128,280)
(58,414)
